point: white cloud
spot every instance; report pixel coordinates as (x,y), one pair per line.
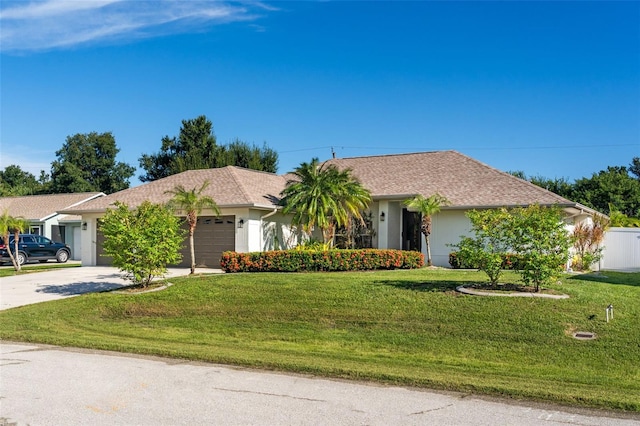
(34,163)
(48,24)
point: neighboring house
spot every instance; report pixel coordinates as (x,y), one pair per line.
(42,213)
(251,219)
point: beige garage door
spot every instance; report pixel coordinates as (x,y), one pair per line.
(213,236)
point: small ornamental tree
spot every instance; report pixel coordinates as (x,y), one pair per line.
(538,234)
(142,241)
(587,239)
(491,242)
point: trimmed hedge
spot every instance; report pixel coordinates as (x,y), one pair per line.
(313,261)
(510,261)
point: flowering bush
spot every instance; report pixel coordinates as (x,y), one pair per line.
(316,260)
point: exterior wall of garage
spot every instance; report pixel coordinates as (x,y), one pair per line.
(260,230)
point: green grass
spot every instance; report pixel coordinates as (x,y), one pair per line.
(9,271)
(401,327)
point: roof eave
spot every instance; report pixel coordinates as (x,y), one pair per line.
(220,206)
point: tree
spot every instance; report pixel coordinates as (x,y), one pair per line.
(535,234)
(634,167)
(491,244)
(192,202)
(322,195)
(15,182)
(7,224)
(19,225)
(239,153)
(142,241)
(538,235)
(587,239)
(611,188)
(560,186)
(427,207)
(196,148)
(86,163)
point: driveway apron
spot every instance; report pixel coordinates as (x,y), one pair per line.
(36,287)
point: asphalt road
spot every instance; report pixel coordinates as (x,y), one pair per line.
(44,385)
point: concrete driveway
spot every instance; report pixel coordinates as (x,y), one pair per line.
(36,287)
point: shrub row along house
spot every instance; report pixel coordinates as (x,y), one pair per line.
(251,218)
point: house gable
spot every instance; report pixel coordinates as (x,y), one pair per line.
(465,182)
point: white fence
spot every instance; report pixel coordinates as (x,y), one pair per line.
(621,250)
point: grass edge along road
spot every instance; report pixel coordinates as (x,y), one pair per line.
(402,327)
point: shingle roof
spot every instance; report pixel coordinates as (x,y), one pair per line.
(42,207)
(229,186)
(467,183)
(464,181)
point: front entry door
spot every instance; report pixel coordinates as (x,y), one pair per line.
(411,235)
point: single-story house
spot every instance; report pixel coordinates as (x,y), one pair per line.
(41,211)
(251,219)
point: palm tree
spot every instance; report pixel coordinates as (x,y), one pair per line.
(323,196)
(7,225)
(192,202)
(18,226)
(427,207)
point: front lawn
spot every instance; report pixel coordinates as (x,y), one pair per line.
(9,271)
(402,327)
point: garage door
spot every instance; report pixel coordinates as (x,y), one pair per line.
(213,236)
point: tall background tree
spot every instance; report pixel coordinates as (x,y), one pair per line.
(14,182)
(192,202)
(427,207)
(87,163)
(322,195)
(196,147)
(613,191)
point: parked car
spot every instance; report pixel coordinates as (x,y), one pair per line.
(33,247)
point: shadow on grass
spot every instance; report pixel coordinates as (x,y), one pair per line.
(437,286)
(78,288)
(610,277)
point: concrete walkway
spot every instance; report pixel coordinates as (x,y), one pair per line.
(35,287)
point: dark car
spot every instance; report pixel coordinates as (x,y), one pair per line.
(35,247)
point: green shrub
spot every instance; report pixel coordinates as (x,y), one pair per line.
(316,260)
(510,261)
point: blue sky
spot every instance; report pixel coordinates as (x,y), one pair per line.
(549,88)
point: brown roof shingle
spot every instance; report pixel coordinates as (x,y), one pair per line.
(229,186)
(41,207)
(464,181)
